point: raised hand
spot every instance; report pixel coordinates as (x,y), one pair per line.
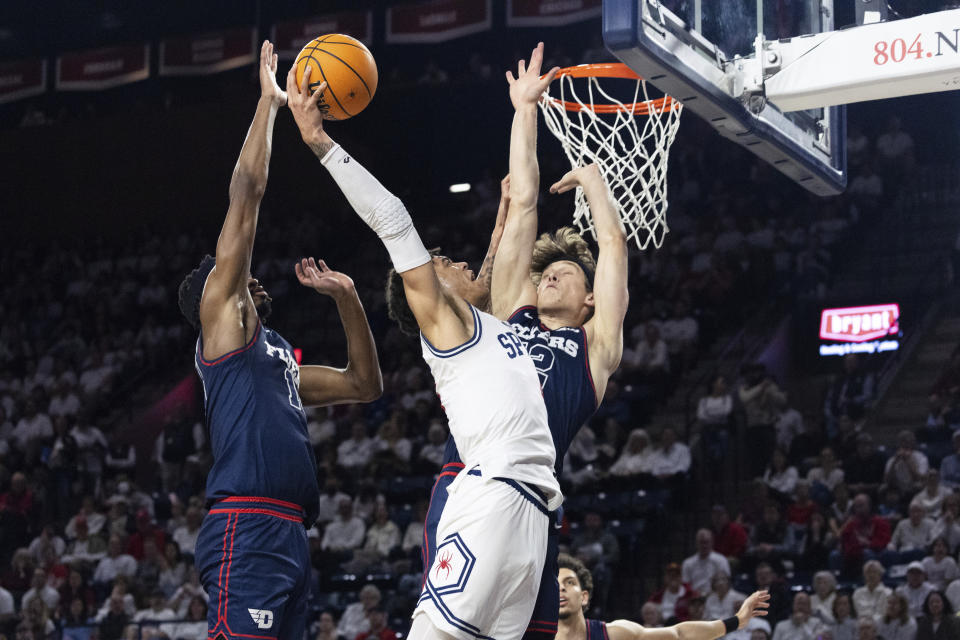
(755,605)
(268,74)
(528,86)
(304,106)
(579,177)
(322,279)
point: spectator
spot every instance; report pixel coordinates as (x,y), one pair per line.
(780,476)
(723,601)
(802,507)
(867,629)
(894,147)
(47,538)
(187,592)
(75,620)
(771,540)
(431,453)
(907,468)
(714,416)
(948,526)
(681,332)
(145,529)
(120,589)
(862,538)
(730,538)
(650,615)
(852,391)
(32,429)
(195,626)
(649,359)
(671,460)
(824,594)
(938,621)
(818,541)
(85,549)
(158,611)
(344,534)
(76,588)
(599,550)
(933,494)
(327,627)
(674,597)
(636,460)
(173,570)
(378,626)
(863,472)
(186,536)
(953,594)
(825,477)
(698,570)
(88,513)
(940,568)
(355,620)
(844,615)
(40,589)
(149,566)
(115,563)
(910,539)
(762,402)
(115,621)
(871,598)
(18,577)
(800,625)
(391,450)
(950,465)
(916,589)
(383,537)
(36,614)
(121,458)
(355,453)
(330,500)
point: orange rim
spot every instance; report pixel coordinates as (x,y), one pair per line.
(613,70)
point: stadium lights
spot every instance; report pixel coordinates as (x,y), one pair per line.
(460,187)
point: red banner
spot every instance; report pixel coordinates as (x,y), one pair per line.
(290,36)
(550,13)
(22,78)
(437,20)
(103,68)
(860,324)
(209,52)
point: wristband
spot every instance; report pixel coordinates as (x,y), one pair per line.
(731,624)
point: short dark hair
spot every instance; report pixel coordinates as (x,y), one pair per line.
(191,289)
(398,309)
(584,577)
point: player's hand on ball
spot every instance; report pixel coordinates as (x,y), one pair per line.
(321,278)
(268,74)
(755,605)
(528,86)
(578,177)
(303,105)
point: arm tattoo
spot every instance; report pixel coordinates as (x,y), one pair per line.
(320,149)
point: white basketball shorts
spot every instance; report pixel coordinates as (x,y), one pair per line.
(491,545)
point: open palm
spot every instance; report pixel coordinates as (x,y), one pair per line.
(528,86)
(323,279)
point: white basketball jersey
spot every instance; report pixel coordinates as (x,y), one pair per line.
(490,390)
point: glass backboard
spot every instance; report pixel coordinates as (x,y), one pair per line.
(703,51)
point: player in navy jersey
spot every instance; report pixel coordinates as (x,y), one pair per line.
(567,307)
(252,553)
(576,584)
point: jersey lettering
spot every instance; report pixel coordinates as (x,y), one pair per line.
(512,344)
(292,374)
(568,346)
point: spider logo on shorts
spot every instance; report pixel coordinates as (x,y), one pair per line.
(445,564)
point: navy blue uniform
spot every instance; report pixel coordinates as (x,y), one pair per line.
(596,630)
(560,356)
(256,572)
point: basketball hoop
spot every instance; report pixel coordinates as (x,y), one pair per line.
(630,150)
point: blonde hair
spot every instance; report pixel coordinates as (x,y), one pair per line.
(563,244)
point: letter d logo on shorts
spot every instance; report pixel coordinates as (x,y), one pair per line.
(262,617)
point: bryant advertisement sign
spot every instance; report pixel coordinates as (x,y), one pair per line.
(868,329)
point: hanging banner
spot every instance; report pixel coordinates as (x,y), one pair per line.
(290,36)
(21,79)
(550,13)
(209,52)
(102,68)
(437,20)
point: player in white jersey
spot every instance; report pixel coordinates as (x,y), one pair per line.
(493,534)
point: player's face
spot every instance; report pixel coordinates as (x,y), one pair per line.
(261,300)
(563,287)
(572,597)
(457,277)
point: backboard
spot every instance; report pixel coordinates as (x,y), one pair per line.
(704,53)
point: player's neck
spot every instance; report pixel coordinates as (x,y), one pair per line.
(556,320)
(572,628)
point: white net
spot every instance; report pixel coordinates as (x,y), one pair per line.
(629,142)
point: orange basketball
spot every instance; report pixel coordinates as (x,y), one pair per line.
(349,69)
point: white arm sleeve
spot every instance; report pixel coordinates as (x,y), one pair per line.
(381,210)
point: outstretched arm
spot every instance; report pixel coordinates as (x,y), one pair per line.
(225,293)
(605,328)
(445,320)
(360,381)
(485,275)
(512,288)
(755,605)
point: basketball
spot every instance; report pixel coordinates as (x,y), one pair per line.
(349,70)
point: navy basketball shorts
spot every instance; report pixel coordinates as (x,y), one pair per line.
(254,563)
(546,611)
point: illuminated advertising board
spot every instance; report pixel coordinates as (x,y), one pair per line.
(868,329)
